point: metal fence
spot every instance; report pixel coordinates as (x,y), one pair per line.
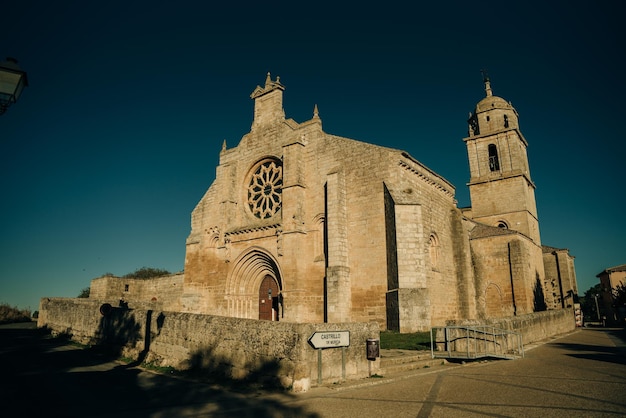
(473,342)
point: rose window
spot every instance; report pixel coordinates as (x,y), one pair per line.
(264,191)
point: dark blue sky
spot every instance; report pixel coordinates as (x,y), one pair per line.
(118,134)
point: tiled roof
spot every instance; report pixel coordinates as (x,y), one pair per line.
(548,249)
(483,231)
(621,267)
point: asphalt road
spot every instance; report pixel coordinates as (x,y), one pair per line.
(579,375)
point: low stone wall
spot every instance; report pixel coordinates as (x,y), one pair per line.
(275,352)
(156,293)
(533,327)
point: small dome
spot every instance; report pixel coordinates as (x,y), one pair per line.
(492,114)
(492,102)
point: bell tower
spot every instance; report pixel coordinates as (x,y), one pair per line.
(501,190)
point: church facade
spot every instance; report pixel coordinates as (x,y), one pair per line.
(303,226)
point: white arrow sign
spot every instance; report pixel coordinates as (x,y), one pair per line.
(330,339)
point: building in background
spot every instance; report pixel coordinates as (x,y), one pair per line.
(610,279)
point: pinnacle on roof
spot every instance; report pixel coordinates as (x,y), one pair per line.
(269,83)
(487,83)
(269,86)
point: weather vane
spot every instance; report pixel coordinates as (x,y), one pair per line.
(485,75)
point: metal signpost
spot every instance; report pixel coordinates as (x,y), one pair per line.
(330,339)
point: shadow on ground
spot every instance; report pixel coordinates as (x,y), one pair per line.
(615,354)
(52,377)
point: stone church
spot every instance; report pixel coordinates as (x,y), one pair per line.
(301,225)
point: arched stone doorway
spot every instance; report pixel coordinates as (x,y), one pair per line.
(254,273)
(268,299)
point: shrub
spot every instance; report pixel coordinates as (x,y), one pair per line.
(10,314)
(146,273)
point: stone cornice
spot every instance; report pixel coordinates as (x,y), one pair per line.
(496,133)
(253,232)
(428,176)
(490,178)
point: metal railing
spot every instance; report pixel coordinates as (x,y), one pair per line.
(473,342)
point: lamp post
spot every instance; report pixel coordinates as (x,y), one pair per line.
(12,82)
(597,307)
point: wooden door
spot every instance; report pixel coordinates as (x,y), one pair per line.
(267,308)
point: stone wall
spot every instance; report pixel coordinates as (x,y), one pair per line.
(277,352)
(534,327)
(560,276)
(509,274)
(156,293)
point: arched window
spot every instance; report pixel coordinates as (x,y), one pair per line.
(503,225)
(318,234)
(494,162)
(506,121)
(433,250)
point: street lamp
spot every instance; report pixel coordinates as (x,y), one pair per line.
(12,82)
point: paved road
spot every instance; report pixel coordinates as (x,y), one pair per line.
(580,375)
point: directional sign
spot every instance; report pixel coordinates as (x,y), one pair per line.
(330,339)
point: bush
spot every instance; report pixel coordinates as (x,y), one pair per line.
(10,314)
(146,273)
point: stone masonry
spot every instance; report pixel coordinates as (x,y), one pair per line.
(304,226)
